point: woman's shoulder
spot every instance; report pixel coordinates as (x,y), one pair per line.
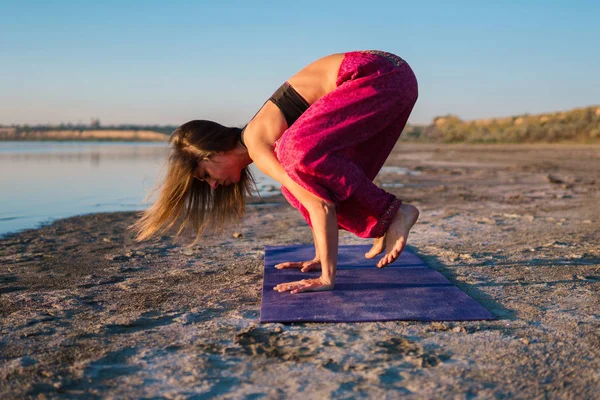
(267,125)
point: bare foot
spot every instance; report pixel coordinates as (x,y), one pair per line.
(397,233)
(378,247)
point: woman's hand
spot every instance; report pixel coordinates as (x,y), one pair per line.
(306,285)
(304,266)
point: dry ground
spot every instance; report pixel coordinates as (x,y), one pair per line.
(87,312)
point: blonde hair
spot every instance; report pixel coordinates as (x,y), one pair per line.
(186,201)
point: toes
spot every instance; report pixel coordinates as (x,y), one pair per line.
(388,258)
(375,250)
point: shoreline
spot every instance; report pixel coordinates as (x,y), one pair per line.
(86,135)
(88,312)
(255,202)
(404,141)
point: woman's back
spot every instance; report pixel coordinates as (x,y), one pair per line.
(317,78)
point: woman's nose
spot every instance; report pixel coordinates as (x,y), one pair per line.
(213,183)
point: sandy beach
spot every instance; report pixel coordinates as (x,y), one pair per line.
(85,312)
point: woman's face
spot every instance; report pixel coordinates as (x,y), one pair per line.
(220,169)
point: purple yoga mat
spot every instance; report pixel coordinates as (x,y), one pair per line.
(405,290)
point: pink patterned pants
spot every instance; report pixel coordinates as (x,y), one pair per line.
(337,147)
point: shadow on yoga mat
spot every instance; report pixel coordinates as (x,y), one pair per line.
(405,290)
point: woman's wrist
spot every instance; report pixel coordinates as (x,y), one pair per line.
(328,272)
(327,281)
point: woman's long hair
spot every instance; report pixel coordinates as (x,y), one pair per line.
(184,200)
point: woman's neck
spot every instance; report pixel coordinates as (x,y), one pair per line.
(240,152)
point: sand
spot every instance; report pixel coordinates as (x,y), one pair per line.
(86,312)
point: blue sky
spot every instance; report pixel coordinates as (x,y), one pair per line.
(151,62)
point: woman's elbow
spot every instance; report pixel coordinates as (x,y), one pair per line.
(322,207)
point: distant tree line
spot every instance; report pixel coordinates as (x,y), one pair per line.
(578,125)
(166,129)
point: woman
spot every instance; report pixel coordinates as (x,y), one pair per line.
(323,135)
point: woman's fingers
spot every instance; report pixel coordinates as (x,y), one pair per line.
(304,266)
(304,288)
(311,266)
(305,285)
(285,287)
(289,264)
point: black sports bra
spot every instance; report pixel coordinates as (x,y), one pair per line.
(290,102)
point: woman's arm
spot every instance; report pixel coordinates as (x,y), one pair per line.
(322,215)
(304,266)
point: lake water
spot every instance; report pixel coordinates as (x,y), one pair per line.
(43,181)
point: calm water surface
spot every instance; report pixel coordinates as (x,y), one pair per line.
(43,181)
